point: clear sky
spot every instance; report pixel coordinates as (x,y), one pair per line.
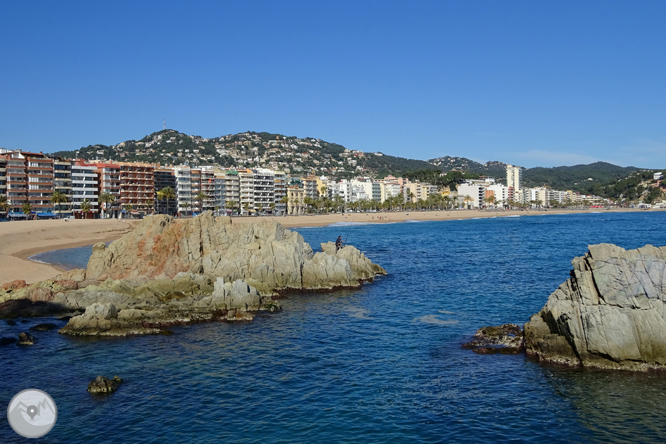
(533,83)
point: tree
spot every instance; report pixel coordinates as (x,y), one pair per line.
(85,206)
(27,208)
(3,203)
(57,198)
(168,194)
(246,206)
(105,199)
(468,200)
(200,198)
(285,201)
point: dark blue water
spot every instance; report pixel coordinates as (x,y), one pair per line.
(382,364)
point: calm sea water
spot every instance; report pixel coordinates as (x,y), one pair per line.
(381,364)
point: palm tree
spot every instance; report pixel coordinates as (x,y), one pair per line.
(57,198)
(168,194)
(200,198)
(85,206)
(285,201)
(128,209)
(105,198)
(3,203)
(27,209)
(467,200)
(231,205)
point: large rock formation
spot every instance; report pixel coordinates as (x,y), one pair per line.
(167,272)
(611,313)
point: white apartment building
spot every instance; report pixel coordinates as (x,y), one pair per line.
(514,176)
(84,187)
(264,190)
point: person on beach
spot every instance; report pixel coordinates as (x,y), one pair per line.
(338,244)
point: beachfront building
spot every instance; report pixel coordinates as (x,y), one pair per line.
(264,190)
(208,200)
(280,192)
(84,191)
(295,200)
(246,182)
(220,192)
(310,187)
(514,177)
(137,188)
(3,182)
(184,190)
(62,183)
(29,179)
(197,196)
(232,191)
(108,176)
(165,178)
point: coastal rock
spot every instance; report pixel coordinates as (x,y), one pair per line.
(504,339)
(7,341)
(611,312)
(14,285)
(43,327)
(26,339)
(267,256)
(96,319)
(170,272)
(102,384)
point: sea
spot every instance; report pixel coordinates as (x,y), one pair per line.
(381,364)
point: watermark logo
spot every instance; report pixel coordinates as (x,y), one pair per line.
(32,413)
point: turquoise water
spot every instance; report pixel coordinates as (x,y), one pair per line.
(380,364)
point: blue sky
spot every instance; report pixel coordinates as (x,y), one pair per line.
(532,83)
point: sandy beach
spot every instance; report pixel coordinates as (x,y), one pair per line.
(22,239)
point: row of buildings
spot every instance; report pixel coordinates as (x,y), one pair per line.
(113,189)
(486,192)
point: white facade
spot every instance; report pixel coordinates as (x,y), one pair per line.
(514,176)
(84,186)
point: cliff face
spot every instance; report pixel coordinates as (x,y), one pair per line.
(611,313)
(167,272)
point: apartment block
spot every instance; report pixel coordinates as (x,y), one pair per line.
(137,187)
(62,182)
(29,178)
(85,188)
(108,175)
(165,178)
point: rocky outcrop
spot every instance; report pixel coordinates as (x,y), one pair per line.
(103,385)
(121,307)
(169,272)
(504,339)
(26,339)
(611,312)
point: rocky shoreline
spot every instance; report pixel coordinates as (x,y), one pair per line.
(167,272)
(610,314)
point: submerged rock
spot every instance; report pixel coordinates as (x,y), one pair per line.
(7,341)
(43,327)
(611,312)
(504,339)
(26,339)
(102,384)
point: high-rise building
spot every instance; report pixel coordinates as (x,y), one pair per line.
(84,189)
(165,178)
(137,187)
(514,176)
(264,190)
(108,175)
(29,178)
(62,182)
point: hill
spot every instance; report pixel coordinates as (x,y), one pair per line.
(493,168)
(250,150)
(577,177)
